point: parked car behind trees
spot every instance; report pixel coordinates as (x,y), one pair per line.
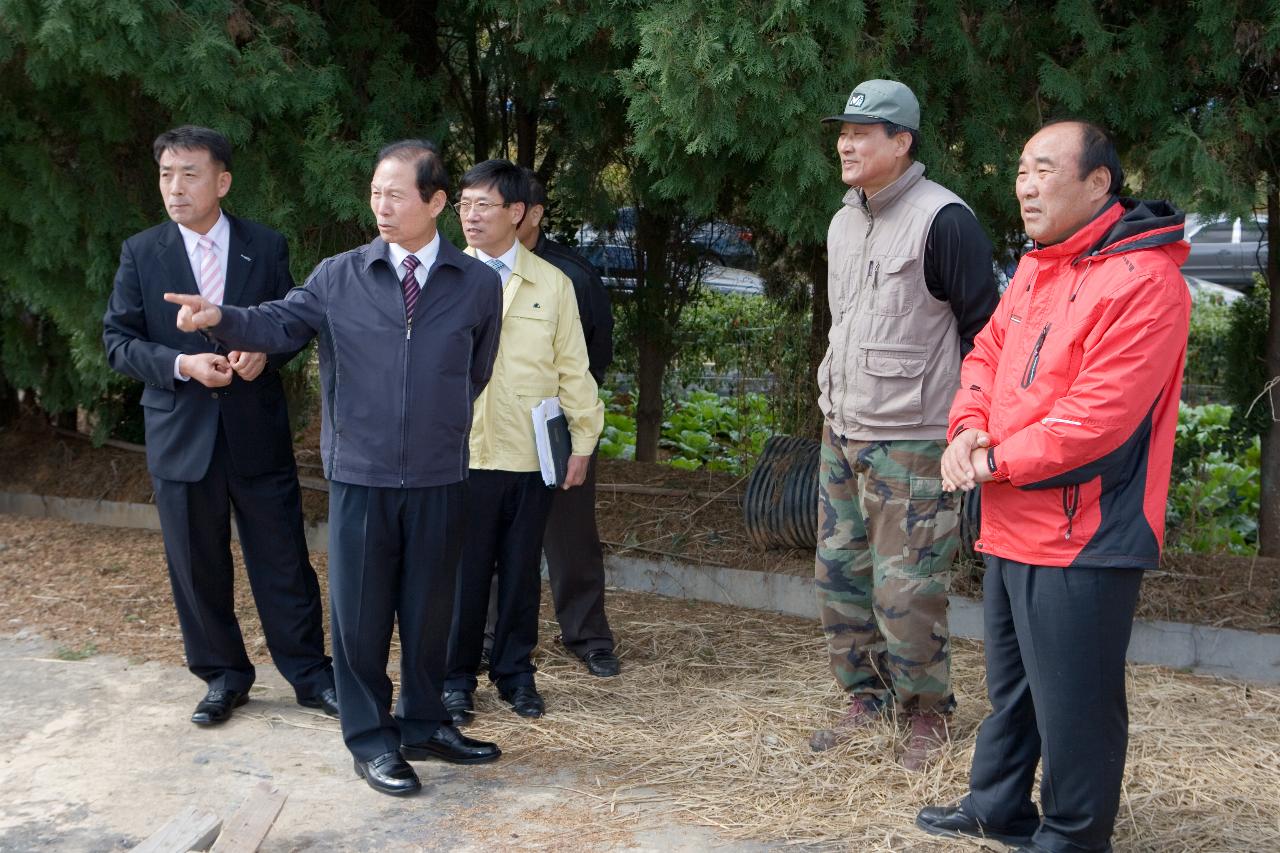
(1227,250)
(719,242)
(618,269)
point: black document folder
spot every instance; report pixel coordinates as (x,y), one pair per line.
(551,435)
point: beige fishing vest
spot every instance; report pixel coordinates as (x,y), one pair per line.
(893,356)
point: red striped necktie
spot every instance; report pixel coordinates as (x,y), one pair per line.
(410,285)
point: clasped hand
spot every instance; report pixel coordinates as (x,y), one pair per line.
(964,462)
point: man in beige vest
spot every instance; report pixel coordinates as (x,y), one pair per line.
(910,284)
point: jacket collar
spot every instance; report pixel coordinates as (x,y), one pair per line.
(887,196)
(1142,225)
(376,250)
(527,271)
(1123,225)
(240,255)
(526,268)
(1083,240)
(172,252)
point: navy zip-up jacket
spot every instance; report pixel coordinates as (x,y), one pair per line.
(397,391)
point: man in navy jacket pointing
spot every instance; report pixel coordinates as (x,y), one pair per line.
(408,328)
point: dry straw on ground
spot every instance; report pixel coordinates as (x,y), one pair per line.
(716,705)
(712,715)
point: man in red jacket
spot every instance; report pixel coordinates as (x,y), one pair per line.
(1066,415)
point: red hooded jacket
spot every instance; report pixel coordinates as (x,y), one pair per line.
(1077,378)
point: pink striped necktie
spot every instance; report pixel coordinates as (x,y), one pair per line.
(211,284)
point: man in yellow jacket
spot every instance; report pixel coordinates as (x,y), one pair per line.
(541,354)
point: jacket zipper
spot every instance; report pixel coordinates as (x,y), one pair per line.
(404,393)
(1033,362)
(1070,505)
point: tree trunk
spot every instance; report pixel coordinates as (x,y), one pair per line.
(526,131)
(8,402)
(1269,504)
(818,328)
(479,95)
(651,367)
(651,303)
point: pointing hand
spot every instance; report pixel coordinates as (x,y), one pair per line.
(195,312)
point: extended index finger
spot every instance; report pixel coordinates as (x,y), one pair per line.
(190,300)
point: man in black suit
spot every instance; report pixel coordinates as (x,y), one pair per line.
(217,431)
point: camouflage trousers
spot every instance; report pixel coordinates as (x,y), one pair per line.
(887,535)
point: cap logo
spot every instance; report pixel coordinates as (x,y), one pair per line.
(855,100)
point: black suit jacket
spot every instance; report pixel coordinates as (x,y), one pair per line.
(142,340)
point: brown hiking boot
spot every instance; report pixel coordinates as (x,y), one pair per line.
(861,713)
(928,736)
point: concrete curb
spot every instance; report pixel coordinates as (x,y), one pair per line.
(1201,649)
(117,514)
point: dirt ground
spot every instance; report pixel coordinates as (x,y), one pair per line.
(702,525)
(98,755)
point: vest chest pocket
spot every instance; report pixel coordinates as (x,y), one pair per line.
(893,286)
(890,385)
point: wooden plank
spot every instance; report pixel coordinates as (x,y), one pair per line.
(250,824)
(190,829)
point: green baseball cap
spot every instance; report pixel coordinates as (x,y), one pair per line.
(881,100)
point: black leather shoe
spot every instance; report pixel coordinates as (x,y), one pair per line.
(390,774)
(954,822)
(602,663)
(525,701)
(326,700)
(460,705)
(449,744)
(216,706)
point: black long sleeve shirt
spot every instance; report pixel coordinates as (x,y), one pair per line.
(958,269)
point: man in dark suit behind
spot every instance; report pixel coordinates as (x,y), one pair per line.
(217,431)
(575,559)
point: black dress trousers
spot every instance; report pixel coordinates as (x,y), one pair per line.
(393,555)
(575,566)
(195,519)
(1055,648)
(506,518)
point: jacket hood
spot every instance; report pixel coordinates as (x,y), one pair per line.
(1142,225)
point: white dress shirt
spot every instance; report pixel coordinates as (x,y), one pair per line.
(426,259)
(508,259)
(220,234)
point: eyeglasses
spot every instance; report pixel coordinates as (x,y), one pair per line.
(481,207)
